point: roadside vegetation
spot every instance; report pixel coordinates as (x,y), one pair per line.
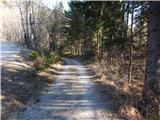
(43,60)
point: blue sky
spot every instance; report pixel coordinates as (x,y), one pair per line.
(51,3)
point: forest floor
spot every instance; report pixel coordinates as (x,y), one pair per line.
(127,97)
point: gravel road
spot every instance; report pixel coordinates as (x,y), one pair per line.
(73,96)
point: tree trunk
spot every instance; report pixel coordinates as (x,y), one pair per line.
(32,26)
(151,92)
(124,33)
(126,30)
(27,28)
(23,25)
(131,47)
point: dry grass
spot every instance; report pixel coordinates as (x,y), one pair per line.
(126,96)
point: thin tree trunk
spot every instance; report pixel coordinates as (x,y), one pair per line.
(27,27)
(123,34)
(32,25)
(128,5)
(131,47)
(23,25)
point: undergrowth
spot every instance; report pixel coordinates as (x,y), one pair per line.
(127,96)
(43,59)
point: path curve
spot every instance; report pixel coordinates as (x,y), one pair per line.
(73,96)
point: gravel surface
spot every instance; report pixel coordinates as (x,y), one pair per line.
(19,83)
(73,96)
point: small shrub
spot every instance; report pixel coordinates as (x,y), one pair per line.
(40,67)
(33,55)
(52,58)
(43,60)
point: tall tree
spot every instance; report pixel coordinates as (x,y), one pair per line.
(151,91)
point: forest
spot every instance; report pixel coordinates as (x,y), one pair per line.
(119,40)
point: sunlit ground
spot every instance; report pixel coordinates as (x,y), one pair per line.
(72,96)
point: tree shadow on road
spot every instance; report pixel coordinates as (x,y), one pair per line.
(18,86)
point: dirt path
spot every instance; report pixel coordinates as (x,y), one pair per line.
(11,53)
(12,65)
(73,96)
(19,83)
